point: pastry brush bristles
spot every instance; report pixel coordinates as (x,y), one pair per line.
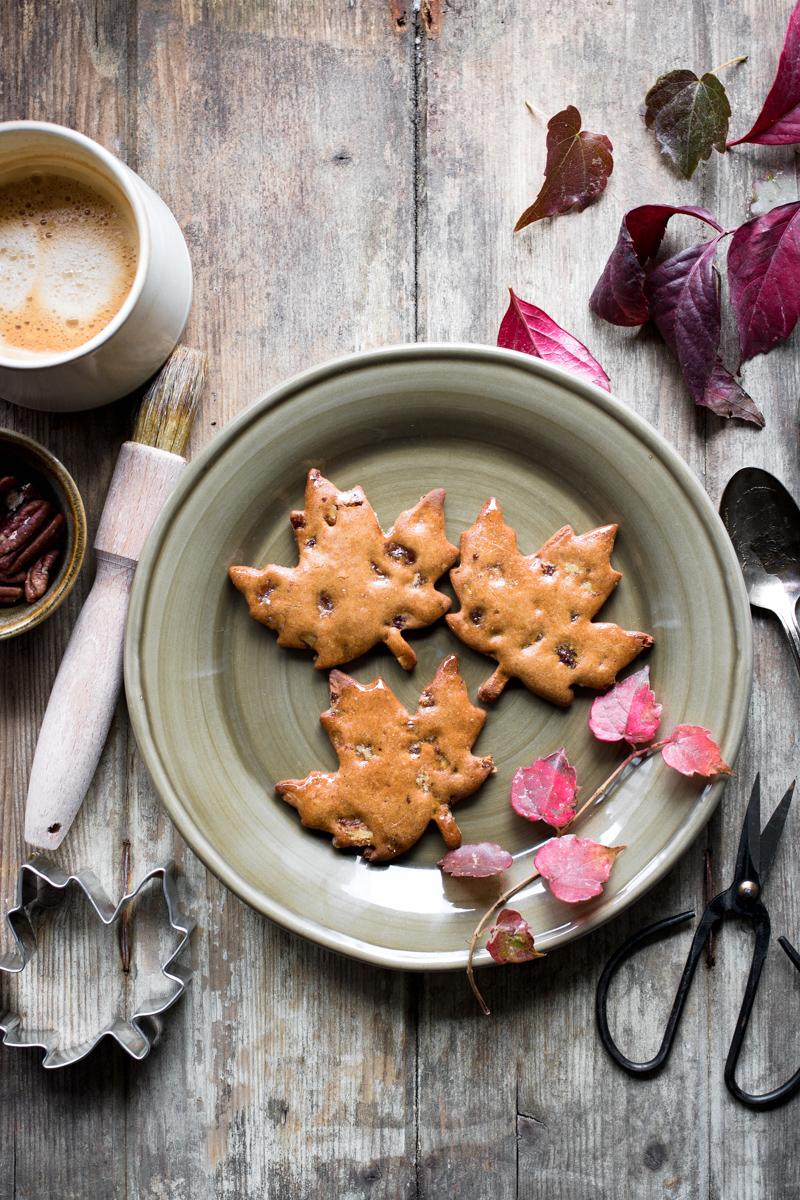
(167,410)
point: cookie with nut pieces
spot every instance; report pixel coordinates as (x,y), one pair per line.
(354,585)
(534,614)
(398,771)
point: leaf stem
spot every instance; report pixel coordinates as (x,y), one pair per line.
(732,62)
(636,757)
(536,112)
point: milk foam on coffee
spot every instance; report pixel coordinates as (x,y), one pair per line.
(67,261)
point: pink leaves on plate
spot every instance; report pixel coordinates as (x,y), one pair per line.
(628,711)
(529,329)
(692,751)
(619,294)
(511,940)
(764,277)
(575,868)
(576,172)
(477,861)
(545,791)
(778,123)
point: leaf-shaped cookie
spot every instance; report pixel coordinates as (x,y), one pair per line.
(354,585)
(533,614)
(397,772)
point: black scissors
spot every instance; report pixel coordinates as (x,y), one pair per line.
(742,899)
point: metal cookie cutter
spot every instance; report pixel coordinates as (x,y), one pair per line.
(40,878)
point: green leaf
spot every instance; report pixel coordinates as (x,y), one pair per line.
(689,117)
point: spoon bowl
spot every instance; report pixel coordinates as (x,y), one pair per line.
(763,522)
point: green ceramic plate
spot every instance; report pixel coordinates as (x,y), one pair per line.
(221,713)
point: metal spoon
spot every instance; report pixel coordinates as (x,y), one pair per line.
(763,522)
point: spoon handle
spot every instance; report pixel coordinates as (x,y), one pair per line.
(788,618)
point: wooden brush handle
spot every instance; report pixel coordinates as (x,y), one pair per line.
(87,687)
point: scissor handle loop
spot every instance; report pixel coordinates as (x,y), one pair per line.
(644,936)
(779,1095)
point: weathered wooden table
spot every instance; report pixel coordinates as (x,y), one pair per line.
(347,175)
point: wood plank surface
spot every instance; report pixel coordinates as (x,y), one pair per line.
(348,175)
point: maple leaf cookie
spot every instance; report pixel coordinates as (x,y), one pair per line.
(354,585)
(397,771)
(533,614)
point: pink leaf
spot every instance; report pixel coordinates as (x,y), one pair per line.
(778,123)
(511,940)
(575,868)
(629,710)
(764,278)
(576,172)
(619,294)
(692,751)
(545,791)
(477,861)
(529,329)
(683,293)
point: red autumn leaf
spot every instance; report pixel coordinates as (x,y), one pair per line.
(575,868)
(576,172)
(546,790)
(476,861)
(692,751)
(778,123)
(529,329)
(629,710)
(619,294)
(683,294)
(764,278)
(511,940)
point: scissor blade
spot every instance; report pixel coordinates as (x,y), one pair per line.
(747,856)
(772,832)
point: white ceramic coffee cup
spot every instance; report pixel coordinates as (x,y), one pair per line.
(145,330)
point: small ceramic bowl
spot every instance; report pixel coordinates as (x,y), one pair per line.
(53,475)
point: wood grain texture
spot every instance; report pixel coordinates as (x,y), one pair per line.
(348,175)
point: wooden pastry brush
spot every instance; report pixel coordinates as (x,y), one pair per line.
(89,680)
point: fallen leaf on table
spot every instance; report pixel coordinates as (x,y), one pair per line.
(628,711)
(683,295)
(546,790)
(778,123)
(576,172)
(689,117)
(692,751)
(764,278)
(619,294)
(529,329)
(575,868)
(511,940)
(479,860)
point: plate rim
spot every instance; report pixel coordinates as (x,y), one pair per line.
(726,558)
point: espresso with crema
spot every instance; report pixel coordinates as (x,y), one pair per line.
(68,259)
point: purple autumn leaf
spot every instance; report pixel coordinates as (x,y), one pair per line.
(529,329)
(778,123)
(576,172)
(683,294)
(477,861)
(764,278)
(619,294)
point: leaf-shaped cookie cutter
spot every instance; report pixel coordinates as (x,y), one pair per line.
(136,1035)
